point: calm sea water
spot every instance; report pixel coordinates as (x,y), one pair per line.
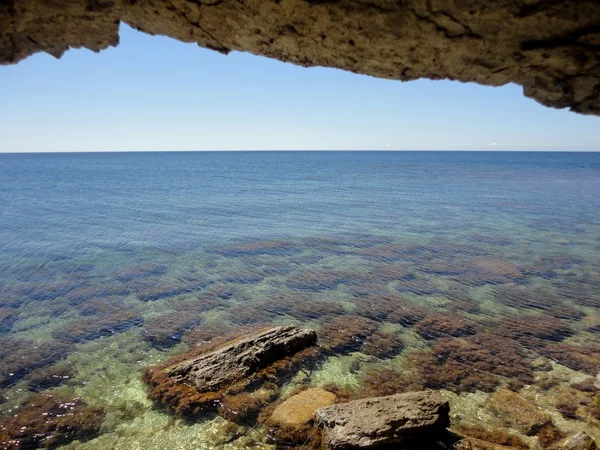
(112,262)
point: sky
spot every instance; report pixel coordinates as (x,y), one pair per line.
(155,93)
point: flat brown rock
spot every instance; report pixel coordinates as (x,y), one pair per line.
(517,412)
(387,420)
(301,408)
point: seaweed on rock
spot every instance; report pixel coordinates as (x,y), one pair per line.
(345,334)
(250,314)
(8,317)
(77,296)
(420,285)
(436,326)
(534,331)
(549,302)
(20,357)
(167,329)
(205,333)
(385,273)
(244,407)
(49,421)
(584,358)
(496,436)
(140,271)
(186,401)
(383,380)
(161,291)
(476,363)
(383,345)
(244,276)
(115,318)
(315,309)
(317,280)
(48,377)
(271,247)
(490,239)
(379,306)
(396,252)
(549,436)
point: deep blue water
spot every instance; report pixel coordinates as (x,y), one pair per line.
(102,254)
(60,203)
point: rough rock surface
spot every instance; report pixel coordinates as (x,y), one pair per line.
(301,408)
(579,441)
(550,47)
(383,420)
(241,358)
(517,412)
(477,444)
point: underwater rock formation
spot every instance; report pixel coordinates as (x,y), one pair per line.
(517,412)
(486,435)
(19,357)
(379,421)
(49,377)
(189,382)
(383,345)
(77,296)
(169,290)
(315,281)
(476,363)
(106,317)
(436,326)
(167,329)
(141,271)
(345,334)
(49,421)
(271,247)
(7,319)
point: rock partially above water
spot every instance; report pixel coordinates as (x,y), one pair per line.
(241,357)
(378,421)
(203,376)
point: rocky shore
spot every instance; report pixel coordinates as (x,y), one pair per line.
(241,378)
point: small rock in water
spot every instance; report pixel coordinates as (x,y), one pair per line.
(301,408)
(371,422)
(517,412)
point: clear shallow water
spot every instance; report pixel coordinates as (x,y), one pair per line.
(112,262)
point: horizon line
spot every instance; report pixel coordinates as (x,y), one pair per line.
(301,150)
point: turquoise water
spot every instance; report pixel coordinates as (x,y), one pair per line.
(113,262)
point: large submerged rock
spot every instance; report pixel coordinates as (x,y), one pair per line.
(387,420)
(550,47)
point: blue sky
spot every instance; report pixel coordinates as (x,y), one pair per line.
(153,93)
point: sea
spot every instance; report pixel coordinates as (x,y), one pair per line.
(466,272)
